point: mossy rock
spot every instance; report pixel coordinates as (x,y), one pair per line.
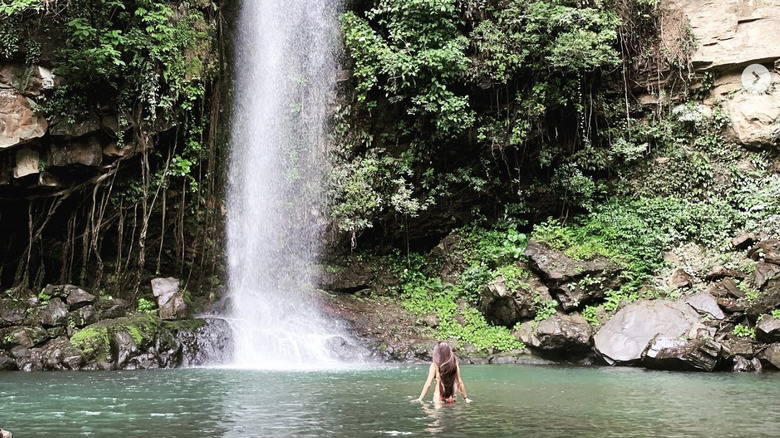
(95,340)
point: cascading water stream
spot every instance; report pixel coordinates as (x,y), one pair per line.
(285,65)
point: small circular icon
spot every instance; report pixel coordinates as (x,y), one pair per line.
(756,78)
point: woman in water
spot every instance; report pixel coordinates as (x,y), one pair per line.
(446,371)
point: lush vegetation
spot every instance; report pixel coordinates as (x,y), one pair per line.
(146,72)
(498,121)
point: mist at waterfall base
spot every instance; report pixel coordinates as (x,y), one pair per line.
(285,66)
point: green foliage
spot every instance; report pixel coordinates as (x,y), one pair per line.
(636,232)
(744,331)
(413,57)
(93,341)
(589,313)
(146,306)
(613,298)
(776,313)
(422,295)
(43,297)
(544,308)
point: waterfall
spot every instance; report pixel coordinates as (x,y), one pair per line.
(285,69)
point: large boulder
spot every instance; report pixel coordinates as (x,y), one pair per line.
(770,357)
(768,329)
(705,303)
(170,298)
(78,298)
(676,353)
(18,121)
(112,308)
(55,313)
(573,282)
(624,338)
(503,306)
(557,335)
(743,365)
(12,312)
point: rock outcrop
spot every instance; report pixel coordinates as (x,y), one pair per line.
(574,283)
(560,335)
(504,306)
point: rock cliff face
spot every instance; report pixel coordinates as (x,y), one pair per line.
(730,35)
(42,156)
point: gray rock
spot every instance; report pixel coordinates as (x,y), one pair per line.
(123,348)
(84,316)
(55,313)
(78,298)
(505,307)
(768,251)
(26,337)
(11,312)
(675,353)
(768,329)
(703,302)
(170,299)
(725,288)
(574,283)
(681,279)
(765,272)
(770,357)
(624,338)
(111,309)
(558,335)
(6,434)
(732,305)
(768,300)
(736,346)
(6,363)
(743,365)
(720,272)
(87,152)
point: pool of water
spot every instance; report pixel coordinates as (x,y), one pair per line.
(509,400)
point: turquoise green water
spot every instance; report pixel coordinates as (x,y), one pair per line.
(508,401)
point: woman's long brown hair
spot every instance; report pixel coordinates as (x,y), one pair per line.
(448,368)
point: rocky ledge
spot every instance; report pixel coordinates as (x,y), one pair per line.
(70,329)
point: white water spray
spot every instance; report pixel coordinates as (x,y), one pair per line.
(285,65)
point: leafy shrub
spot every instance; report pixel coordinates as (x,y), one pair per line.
(146,306)
(744,331)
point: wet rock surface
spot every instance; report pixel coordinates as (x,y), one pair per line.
(73,330)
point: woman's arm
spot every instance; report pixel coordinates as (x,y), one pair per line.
(462,387)
(427,386)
